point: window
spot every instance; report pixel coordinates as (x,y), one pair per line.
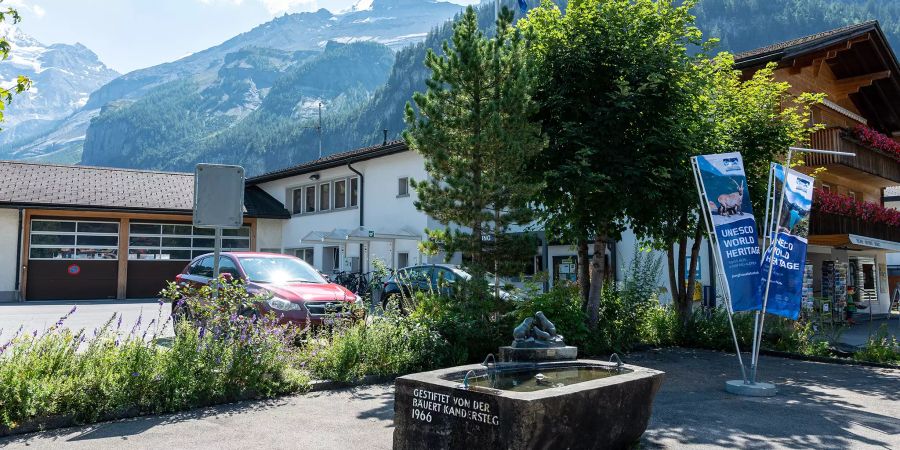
(354,191)
(403,187)
(226,265)
(852,194)
(331,259)
(327,196)
(180,242)
(340,194)
(402,259)
(297,201)
(310,199)
(324,196)
(74,239)
(826,187)
(279,270)
(202,268)
(305,254)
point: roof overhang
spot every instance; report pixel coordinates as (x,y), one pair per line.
(359,234)
(854,242)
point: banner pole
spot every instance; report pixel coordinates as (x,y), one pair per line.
(720,269)
(762,320)
(766,242)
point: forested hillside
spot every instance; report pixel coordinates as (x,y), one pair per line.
(274,137)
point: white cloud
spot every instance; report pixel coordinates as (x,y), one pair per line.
(25,7)
(274,6)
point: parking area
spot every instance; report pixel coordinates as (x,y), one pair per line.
(89,314)
(818,406)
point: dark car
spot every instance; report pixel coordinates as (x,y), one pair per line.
(438,278)
(295,291)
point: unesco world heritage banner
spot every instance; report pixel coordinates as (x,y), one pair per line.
(724,189)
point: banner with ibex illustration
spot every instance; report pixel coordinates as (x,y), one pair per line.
(723,186)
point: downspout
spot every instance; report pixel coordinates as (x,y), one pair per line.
(19,251)
(362,222)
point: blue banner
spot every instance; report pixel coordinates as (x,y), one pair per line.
(723,186)
(788,248)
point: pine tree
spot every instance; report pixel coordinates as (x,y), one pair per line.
(473,128)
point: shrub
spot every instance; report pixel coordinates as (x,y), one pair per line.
(114,373)
(881,348)
(473,324)
(660,327)
(387,345)
(796,337)
(562,305)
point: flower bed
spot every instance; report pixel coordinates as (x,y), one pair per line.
(871,138)
(842,205)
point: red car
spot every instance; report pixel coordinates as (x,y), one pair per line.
(296,291)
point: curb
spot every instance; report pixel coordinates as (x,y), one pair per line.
(827,359)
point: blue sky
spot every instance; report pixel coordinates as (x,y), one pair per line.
(132,34)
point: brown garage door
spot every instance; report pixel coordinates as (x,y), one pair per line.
(72,259)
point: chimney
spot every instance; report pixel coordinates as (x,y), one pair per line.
(385,137)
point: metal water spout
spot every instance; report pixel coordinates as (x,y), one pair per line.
(618,360)
(489,357)
(465,384)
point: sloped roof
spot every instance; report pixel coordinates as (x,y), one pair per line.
(333,160)
(774,52)
(26,184)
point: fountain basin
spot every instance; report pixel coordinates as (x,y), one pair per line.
(577,404)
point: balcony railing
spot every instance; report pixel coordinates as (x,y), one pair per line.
(822,223)
(868,160)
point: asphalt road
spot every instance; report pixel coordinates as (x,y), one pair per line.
(818,406)
(38,316)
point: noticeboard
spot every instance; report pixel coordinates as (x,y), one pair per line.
(218,196)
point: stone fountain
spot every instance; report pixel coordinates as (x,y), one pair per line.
(539,395)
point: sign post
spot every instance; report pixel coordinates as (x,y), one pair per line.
(218,202)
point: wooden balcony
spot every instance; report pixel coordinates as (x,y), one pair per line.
(832,224)
(869,166)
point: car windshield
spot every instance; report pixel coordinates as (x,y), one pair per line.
(261,269)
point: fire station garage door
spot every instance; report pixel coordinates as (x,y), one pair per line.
(72,260)
(157,252)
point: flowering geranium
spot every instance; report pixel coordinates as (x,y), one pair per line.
(842,205)
(876,140)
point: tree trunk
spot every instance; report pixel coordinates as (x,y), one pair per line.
(598,263)
(673,279)
(584,272)
(692,278)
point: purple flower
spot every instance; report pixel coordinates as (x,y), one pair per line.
(134,374)
(202,332)
(160,302)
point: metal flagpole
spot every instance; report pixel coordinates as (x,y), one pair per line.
(758,339)
(766,241)
(720,269)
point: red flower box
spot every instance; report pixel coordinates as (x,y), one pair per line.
(842,205)
(876,140)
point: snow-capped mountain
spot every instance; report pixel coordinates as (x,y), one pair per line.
(63,78)
(395,23)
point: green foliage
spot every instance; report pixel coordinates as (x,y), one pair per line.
(473,323)
(69,373)
(562,305)
(881,348)
(389,345)
(472,126)
(795,337)
(747,24)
